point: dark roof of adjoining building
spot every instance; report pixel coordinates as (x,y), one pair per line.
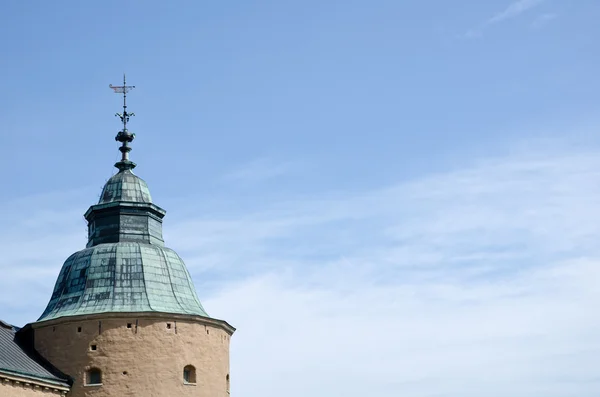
(19,359)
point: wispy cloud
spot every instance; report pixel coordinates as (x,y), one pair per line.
(474,282)
(513,10)
(259,170)
(477,282)
(528,335)
(543,20)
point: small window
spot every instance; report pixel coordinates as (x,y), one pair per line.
(93,347)
(128,325)
(168,325)
(93,377)
(189,374)
(227,379)
(78,329)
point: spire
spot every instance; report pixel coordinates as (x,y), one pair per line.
(124,136)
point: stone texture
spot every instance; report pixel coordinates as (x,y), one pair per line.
(146,360)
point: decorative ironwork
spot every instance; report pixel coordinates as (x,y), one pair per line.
(124,136)
(123,89)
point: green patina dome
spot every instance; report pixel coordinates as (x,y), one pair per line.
(125,186)
(123,277)
(125,267)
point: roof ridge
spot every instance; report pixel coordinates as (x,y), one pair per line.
(6,325)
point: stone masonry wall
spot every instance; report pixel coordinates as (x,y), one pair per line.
(145,360)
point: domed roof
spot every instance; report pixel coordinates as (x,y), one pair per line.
(125,186)
(123,277)
(126,267)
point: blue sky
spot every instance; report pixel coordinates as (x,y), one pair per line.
(386,198)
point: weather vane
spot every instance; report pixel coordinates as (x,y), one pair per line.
(124,136)
(123,89)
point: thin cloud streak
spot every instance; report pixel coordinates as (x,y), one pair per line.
(543,20)
(259,170)
(513,10)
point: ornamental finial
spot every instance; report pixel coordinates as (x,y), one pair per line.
(124,136)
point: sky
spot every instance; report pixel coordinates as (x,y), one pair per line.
(384,197)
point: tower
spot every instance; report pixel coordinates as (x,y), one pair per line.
(124,318)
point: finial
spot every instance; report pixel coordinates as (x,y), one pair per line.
(124,136)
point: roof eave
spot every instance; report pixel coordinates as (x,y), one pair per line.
(110,315)
(130,204)
(27,378)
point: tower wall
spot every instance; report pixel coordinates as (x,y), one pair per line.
(147,359)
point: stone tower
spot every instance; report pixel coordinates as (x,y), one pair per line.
(124,318)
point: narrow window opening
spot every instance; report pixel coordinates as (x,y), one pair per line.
(168,325)
(93,347)
(128,325)
(93,377)
(78,329)
(207,331)
(189,374)
(227,379)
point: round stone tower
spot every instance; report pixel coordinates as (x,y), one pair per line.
(124,318)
